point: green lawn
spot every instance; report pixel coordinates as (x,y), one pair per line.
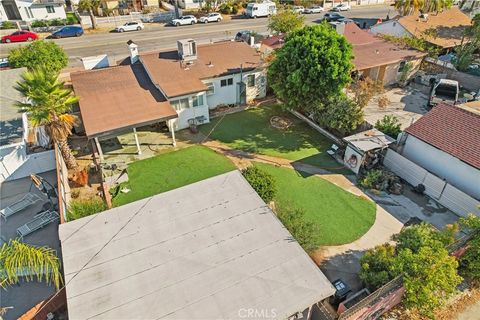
(342,216)
(171,170)
(251,131)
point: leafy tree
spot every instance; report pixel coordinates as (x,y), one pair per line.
(377,266)
(303,230)
(342,114)
(311,68)
(261,181)
(423,235)
(469,44)
(408,7)
(48,104)
(470,261)
(286,21)
(390,125)
(45,54)
(429,277)
(90,6)
(40,263)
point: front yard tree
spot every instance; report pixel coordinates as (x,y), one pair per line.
(377,266)
(311,68)
(90,6)
(48,105)
(342,114)
(45,54)
(285,21)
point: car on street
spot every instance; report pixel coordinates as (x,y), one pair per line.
(314,9)
(342,7)
(184,20)
(20,36)
(211,17)
(345,20)
(298,9)
(332,16)
(68,31)
(130,26)
(243,35)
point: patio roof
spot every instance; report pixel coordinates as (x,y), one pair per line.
(369,140)
(204,251)
(119,98)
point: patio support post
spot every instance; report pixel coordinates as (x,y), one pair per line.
(174,143)
(99,149)
(139,151)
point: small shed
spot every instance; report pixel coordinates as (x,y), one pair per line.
(363,148)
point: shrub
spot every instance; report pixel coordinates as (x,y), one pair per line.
(371,178)
(46,54)
(80,208)
(225,8)
(39,24)
(304,231)
(262,182)
(8,25)
(390,125)
(71,18)
(470,261)
(377,266)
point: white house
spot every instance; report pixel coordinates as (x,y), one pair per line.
(446,143)
(30,10)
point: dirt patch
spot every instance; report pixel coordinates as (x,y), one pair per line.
(281,123)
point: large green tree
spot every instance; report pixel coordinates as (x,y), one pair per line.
(90,6)
(45,54)
(18,259)
(47,104)
(285,21)
(470,261)
(377,266)
(312,67)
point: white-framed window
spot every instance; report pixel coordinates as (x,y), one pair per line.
(50,9)
(180,104)
(197,101)
(211,88)
(226,82)
(251,80)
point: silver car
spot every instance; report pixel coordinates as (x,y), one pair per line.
(211,17)
(130,26)
(314,9)
(184,20)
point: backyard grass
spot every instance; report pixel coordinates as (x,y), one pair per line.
(251,131)
(341,216)
(170,171)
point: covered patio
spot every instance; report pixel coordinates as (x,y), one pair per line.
(118,123)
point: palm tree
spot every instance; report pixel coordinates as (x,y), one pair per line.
(406,7)
(18,259)
(90,6)
(47,105)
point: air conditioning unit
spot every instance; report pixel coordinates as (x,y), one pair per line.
(187,49)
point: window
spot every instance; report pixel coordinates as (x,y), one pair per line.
(50,9)
(226,82)
(402,65)
(197,101)
(180,104)
(211,88)
(251,80)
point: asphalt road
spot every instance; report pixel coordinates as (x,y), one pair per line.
(159,36)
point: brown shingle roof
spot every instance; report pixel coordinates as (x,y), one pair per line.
(117,98)
(449,24)
(213,60)
(274,42)
(370,51)
(451,129)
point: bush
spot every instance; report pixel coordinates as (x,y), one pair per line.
(371,178)
(39,24)
(377,266)
(8,25)
(225,8)
(304,231)
(71,18)
(46,54)
(262,182)
(390,125)
(80,208)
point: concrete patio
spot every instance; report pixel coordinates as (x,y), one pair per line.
(25,295)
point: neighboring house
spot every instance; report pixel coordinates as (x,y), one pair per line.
(379,59)
(446,143)
(20,154)
(32,10)
(448,27)
(209,250)
(191,4)
(272,43)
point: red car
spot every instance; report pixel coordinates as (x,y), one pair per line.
(20,36)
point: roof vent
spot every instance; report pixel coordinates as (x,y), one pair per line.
(187,49)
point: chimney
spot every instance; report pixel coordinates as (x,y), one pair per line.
(133,51)
(252,41)
(340,27)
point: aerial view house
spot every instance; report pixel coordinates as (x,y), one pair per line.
(445,142)
(30,10)
(209,250)
(447,26)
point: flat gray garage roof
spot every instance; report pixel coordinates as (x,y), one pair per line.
(209,250)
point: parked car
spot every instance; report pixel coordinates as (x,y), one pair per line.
(345,20)
(332,16)
(184,20)
(130,26)
(444,90)
(211,17)
(243,35)
(20,36)
(298,9)
(314,9)
(68,31)
(342,7)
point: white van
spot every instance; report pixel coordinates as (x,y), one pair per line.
(444,90)
(264,9)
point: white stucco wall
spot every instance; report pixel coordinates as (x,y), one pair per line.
(39,11)
(188,113)
(445,166)
(391,27)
